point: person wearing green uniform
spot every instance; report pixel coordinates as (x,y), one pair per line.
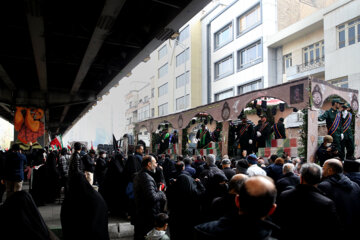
(333,124)
(203,136)
(348,141)
(164,140)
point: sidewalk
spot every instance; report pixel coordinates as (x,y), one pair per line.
(118,228)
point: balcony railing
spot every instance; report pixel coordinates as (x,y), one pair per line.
(311,65)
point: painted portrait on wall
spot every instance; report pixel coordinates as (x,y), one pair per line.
(297,94)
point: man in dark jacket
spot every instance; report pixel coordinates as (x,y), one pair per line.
(198,165)
(351,170)
(225,206)
(133,163)
(289,180)
(188,167)
(245,134)
(345,193)
(229,172)
(14,170)
(306,203)
(326,150)
(76,165)
(262,132)
(275,170)
(279,129)
(254,206)
(148,198)
(183,217)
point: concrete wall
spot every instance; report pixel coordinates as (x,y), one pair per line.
(292,11)
(196,80)
(342,62)
(295,47)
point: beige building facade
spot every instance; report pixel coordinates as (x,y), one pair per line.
(323,45)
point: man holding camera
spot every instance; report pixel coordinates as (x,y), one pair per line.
(327,150)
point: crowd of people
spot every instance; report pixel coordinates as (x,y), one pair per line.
(197,197)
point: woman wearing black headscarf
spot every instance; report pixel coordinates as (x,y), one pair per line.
(114,186)
(52,178)
(38,184)
(84,214)
(20,219)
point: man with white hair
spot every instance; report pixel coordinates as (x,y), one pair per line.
(289,180)
(311,207)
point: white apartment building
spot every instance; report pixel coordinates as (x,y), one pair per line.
(235,59)
(171,77)
(325,45)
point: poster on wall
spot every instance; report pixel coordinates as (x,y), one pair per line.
(29,127)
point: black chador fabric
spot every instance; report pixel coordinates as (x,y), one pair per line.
(38,185)
(84,213)
(113,189)
(183,216)
(20,218)
(52,179)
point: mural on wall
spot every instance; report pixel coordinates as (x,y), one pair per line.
(317,96)
(297,94)
(29,127)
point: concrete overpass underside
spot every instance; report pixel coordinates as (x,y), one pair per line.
(63,55)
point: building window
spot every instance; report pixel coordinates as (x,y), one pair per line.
(163,90)
(152,112)
(249,19)
(250,55)
(143,113)
(182,80)
(182,57)
(348,33)
(146,99)
(340,82)
(287,62)
(224,67)
(163,70)
(313,53)
(184,34)
(223,36)
(134,117)
(162,52)
(252,86)
(182,102)
(224,94)
(153,92)
(130,104)
(163,109)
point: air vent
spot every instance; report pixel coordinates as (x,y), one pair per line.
(105,22)
(165,34)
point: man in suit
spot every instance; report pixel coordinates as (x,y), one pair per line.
(245,134)
(263,131)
